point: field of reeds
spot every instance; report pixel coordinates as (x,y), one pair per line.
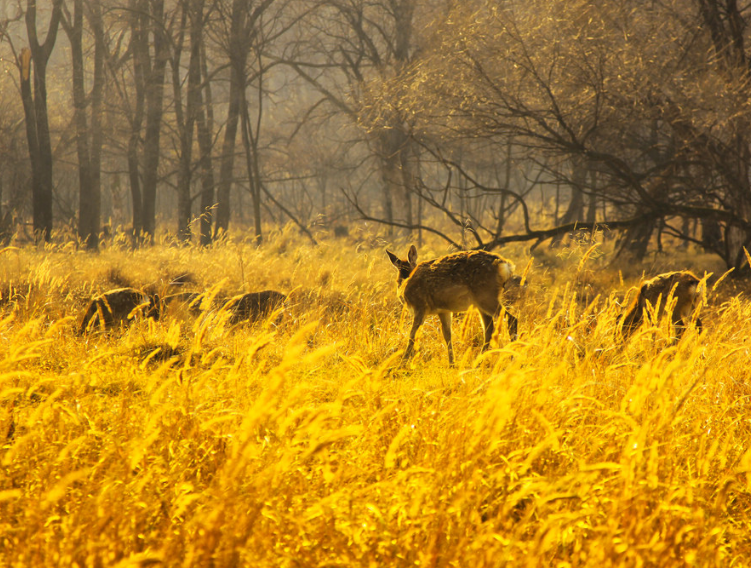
(302,441)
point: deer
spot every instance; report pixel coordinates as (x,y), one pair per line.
(118,306)
(684,289)
(253,306)
(452,284)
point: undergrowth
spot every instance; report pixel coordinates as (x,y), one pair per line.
(187,442)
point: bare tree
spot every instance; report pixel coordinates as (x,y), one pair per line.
(650,96)
(88,131)
(35,110)
(204,124)
(257,30)
(137,74)
(186,114)
(244,37)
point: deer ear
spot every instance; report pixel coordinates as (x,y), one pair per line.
(412,256)
(393,258)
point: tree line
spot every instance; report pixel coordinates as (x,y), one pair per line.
(466,119)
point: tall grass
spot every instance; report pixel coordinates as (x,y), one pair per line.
(185,442)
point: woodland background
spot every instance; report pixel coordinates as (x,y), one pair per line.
(482,122)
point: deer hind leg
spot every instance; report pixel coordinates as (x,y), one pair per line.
(445,318)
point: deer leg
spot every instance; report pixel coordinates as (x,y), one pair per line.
(513,325)
(487,324)
(688,311)
(678,328)
(681,323)
(445,318)
(419,318)
(631,321)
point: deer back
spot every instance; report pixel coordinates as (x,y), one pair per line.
(255,305)
(115,306)
(456,281)
(684,286)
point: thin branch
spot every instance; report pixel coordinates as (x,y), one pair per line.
(365,217)
(542,235)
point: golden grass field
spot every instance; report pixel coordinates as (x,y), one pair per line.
(185,442)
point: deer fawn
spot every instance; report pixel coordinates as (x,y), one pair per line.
(684,287)
(450,284)
(118,306)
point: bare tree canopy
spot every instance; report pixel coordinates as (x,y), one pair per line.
(649,96)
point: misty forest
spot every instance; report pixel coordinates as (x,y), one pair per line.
(483,123)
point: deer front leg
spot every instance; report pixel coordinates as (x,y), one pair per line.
(419,318)
(687,312)
(681,323)
(513,325)
(631,322)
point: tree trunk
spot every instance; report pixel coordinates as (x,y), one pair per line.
(726,24)
(575,210)
(27,98)
(154,100)
(408,164)
(388,203)
(635,241)
(43,198)
(205,118)
(238,58)
(254,181)
(506,187)
(592,201)
(738,238)
(137,44)
(88,149)
(75,35)
(35,109)
(227,164)
(6,220)
(186,115)
(97,95)
(391,188)
(398,179)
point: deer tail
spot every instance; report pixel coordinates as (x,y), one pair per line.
(505,270)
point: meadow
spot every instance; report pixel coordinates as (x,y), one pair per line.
(188,442)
